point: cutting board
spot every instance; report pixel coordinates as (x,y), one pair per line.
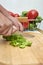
(33,55)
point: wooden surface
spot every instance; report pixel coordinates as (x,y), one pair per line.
(33,55)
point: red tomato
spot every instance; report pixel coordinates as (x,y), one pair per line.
(32,14)
(25,24)
(16,15)
(12,14)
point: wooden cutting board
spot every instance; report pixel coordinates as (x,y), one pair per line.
(33,55)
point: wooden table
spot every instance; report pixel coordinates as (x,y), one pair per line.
(33,55)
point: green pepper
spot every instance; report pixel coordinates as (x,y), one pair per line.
(24,13)
(22,46)
(17,40)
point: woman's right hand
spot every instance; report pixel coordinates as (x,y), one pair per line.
(8,24)
(8,27)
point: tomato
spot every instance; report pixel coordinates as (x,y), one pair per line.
(16,15)
(13,14)
(25,24)
(32,14)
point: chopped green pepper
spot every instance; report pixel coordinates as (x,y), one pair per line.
(17,40)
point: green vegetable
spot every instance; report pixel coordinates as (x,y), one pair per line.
(24,13)
(22,16)
(29,43)
(38,19)
(32,26)
(14,43)
(18,40)
(22,46)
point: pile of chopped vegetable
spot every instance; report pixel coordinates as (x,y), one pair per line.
(18,40)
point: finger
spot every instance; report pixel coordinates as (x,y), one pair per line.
(18,24)
(9,32)
(5,30)
(1,23)
(3,27)
(5,20)
(14,29)
(15,22)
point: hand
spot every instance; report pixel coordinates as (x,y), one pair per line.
(8,27)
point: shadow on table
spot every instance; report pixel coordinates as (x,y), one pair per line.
(1,63)
(20,64)
(32,64)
